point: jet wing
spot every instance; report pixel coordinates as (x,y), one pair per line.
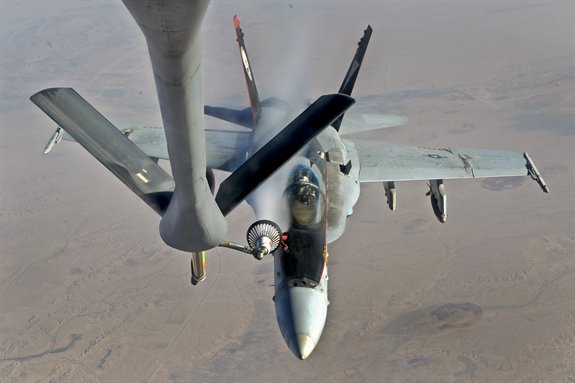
(224,148)
(381,162)
(150,140)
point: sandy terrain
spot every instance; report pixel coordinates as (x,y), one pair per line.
(89,293)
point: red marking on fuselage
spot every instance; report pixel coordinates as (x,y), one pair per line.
(236,21)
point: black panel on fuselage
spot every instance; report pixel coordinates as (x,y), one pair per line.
(303,260)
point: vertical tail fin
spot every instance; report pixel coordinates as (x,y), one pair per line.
(249,76)
(351,75)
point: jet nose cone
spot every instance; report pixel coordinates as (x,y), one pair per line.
(305,345)
(301,314)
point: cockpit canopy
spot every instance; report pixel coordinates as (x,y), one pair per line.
(303,257)
(304,198)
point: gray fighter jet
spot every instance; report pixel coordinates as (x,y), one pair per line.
(309,172)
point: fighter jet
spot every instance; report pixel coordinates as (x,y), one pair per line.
(302,182)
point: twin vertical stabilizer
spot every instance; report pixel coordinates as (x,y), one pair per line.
(248,74)
(351,75)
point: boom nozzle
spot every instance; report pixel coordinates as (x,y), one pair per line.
(263,237)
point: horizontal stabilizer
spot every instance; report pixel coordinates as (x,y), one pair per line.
(105,142)
(225,149)
(367,122)
(280,149)
(242,117)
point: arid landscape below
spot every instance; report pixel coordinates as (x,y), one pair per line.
(90,293)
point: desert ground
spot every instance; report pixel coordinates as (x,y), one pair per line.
(90,293)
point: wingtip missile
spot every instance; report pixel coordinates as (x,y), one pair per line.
(534,173)
(54,139)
